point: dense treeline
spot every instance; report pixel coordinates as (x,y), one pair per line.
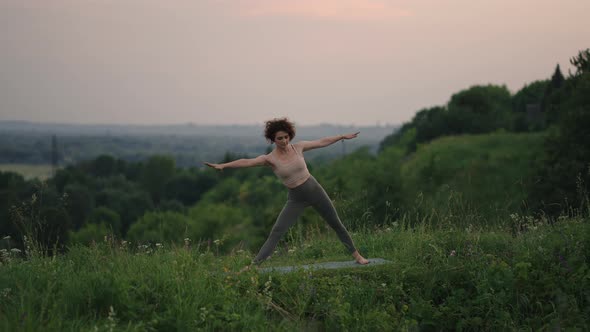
(504,156)
(478,110)
(558,106)
(563,171)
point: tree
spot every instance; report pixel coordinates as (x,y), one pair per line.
(427,124)
(103,166)
(563,177)
(581,62)
(395,138)
(524,102)
(108,217)
(89,233)
(129,204)
(553,96)
(155,173)
(79,203)
(479,109)
(160,227)
(69,175)
(220,221)
(431,123)
(188,187)
(11,192)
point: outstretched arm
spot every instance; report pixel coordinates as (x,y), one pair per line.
(258,161)
(323,142)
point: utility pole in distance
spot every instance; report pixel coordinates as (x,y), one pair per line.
(54,154)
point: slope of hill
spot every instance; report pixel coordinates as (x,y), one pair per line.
(440,279)
(476,175)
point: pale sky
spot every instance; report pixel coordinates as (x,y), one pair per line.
(344,62)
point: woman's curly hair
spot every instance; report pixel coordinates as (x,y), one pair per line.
(275,125)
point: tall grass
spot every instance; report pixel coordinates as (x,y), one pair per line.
(440,278)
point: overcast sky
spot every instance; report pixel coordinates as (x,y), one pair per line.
(243,61)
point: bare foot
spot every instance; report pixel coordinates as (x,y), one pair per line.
(362,261)
(359,259)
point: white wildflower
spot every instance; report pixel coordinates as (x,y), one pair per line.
(112,319)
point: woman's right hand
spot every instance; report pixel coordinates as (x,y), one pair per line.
(218,167)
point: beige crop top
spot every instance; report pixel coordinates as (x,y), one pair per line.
(293,172)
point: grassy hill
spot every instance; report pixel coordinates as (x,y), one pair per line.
(440,279)
(478,178)
(458,264)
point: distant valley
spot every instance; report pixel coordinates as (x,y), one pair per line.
(189,144)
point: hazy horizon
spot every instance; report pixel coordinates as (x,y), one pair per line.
(173,124)
(241,62)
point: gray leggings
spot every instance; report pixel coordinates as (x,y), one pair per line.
(300,197)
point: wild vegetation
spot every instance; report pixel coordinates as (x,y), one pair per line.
(482,205)
(440,278)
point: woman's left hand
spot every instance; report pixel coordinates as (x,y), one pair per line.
(350,136)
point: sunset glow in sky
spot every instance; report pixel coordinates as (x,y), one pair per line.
(326,9)
(243,61)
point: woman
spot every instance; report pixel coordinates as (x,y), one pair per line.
(287,162)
